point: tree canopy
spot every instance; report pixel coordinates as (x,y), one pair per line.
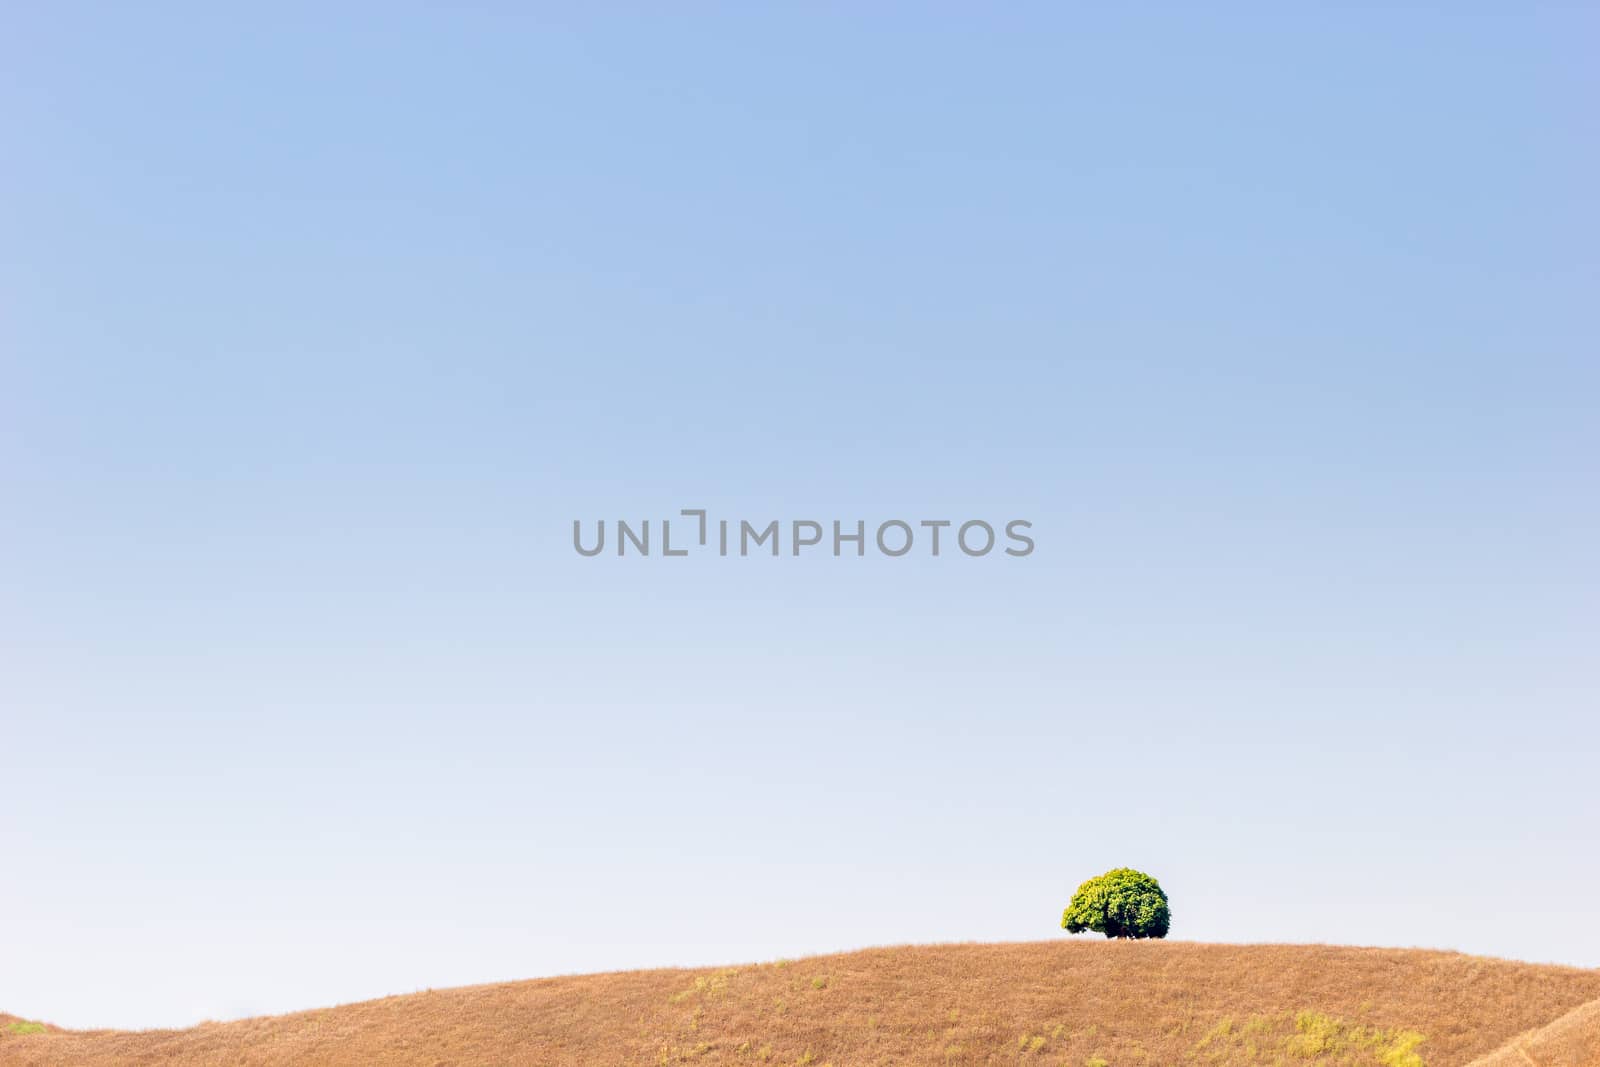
(1119,903)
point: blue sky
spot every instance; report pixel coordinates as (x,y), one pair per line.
(319,327)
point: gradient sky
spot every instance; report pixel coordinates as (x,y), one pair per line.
(319,327)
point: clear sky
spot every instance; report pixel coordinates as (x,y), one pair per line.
(320,324)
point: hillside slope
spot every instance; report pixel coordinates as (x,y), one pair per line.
(1059,1002)
(1570,1041)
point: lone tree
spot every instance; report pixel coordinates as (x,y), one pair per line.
(1119,903)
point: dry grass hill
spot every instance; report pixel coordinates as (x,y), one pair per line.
(1075,1003)
(1572,1039)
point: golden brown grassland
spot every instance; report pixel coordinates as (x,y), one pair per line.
(1075,1003)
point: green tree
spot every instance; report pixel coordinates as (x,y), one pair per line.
(1119,903)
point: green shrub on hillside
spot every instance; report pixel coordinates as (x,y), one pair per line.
(1119,903)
